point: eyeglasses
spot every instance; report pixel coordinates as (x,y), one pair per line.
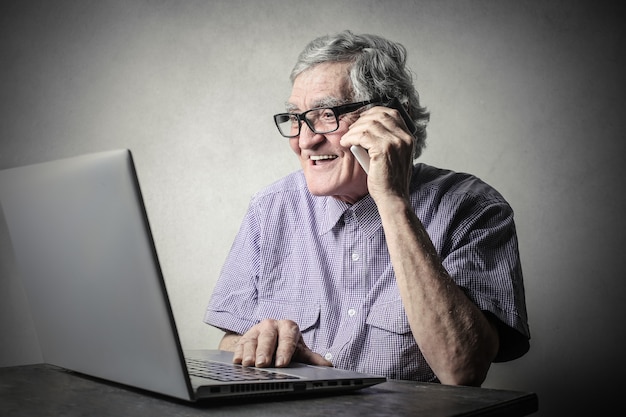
(319,120)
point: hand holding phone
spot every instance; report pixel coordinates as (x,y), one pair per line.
(361,154)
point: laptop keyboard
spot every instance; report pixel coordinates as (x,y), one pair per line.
(227,372)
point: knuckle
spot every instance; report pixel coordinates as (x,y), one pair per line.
(266,323)
(289,326)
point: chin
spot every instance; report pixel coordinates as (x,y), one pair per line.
(322,190)
(320,186)
(334,184)
(319,191)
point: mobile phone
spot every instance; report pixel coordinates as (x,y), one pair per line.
(361,154)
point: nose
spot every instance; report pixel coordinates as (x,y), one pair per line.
(309,139)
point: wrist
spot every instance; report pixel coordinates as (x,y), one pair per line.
(392,205)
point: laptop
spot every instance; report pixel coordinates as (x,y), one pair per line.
(88,265)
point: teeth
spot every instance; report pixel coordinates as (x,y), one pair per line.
(320,157)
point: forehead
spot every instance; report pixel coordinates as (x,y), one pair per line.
(320,85)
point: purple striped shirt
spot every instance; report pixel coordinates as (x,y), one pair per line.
(325,265)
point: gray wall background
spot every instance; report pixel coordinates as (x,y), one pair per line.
(528,95)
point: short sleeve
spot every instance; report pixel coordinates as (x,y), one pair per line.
(234,298)
(482,256)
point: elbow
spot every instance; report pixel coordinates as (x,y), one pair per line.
(472,376)
(470,369)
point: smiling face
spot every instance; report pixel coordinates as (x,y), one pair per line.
(329,168)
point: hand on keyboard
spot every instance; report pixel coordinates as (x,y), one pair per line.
(272,342)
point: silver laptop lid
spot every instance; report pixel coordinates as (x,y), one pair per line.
(82,282)
(90,272)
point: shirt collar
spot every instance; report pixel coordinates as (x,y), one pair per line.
(332,210)
(364,210)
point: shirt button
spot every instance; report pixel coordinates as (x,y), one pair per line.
(328,356)
(351,312)
(355,256)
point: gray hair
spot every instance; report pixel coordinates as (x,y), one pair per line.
(378,70)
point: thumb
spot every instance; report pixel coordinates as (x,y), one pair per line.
(305,355)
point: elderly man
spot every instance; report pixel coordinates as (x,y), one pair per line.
(407,271)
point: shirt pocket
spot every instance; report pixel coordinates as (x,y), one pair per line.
(306,315)
(389,317)
(391,340)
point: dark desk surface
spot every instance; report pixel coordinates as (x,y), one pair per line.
(42,390)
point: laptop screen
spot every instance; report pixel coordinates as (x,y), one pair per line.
(87,262)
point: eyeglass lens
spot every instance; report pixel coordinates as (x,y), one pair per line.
(319,121)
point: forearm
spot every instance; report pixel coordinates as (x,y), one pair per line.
(455,337)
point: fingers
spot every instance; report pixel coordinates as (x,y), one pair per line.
(376,128)
(383,133)
(277,342)
(288,341)
(256,347)
(245,351)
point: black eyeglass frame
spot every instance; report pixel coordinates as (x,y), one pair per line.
(337,111)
